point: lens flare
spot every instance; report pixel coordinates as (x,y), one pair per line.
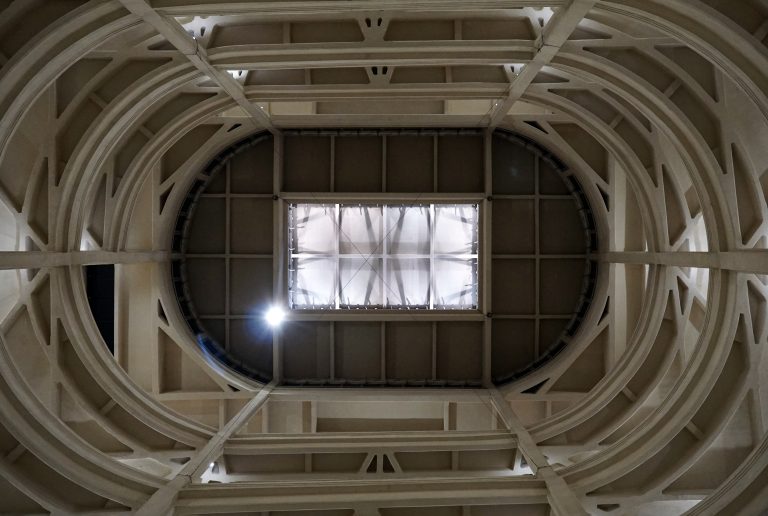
(274,316)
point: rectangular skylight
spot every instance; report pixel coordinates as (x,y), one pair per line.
(383,256)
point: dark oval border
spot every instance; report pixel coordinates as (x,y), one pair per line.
(214,350)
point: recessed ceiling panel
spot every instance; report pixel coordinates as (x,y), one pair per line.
(375,256)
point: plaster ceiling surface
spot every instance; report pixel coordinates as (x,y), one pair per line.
(116,114)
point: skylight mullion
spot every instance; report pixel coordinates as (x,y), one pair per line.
(385,251)
(337,215)
(431,226)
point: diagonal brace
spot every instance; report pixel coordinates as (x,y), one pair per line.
(553,36)
(188,45)
(563,500)
(161,502)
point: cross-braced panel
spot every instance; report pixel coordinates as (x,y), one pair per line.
(378,256)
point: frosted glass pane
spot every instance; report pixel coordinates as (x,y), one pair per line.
(455,282)
(455,229)
(314,228)
(408,282)
(360,282)
(408,229)
(312,282)
(361,230)
(383,256)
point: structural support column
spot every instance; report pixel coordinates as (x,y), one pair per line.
(163,500)
(563,500)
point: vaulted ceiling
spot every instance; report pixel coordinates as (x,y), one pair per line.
(114,112)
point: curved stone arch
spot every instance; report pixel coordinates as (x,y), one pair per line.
(711,34)
(17,86)
(112,378)
(696,153)
(590,327)
(725,416)
(173,187)
(620,149)
(150,152)
(150,155)
(86,156)
(670,409)
(43,434)
(615,145)
(93,337)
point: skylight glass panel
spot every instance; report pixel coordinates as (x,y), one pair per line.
(374,256)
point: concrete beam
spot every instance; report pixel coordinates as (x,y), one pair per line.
(364,442)
(178,8)
(356,54)
(371,395)
(316,495)
(749,260)
(41,259)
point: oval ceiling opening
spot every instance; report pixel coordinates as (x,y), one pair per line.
(397,258)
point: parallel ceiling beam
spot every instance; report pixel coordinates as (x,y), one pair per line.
(320,93)
(317,495)
(356,54)
(188,45)
(313,121)
(364,442)
(553,36)
(277,8)
(371,395)
(377,120)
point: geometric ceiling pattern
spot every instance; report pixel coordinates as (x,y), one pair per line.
(110,111)
(244,249)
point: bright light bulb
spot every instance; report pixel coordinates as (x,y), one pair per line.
(274,316)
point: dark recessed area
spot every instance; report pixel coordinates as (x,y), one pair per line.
(541,280)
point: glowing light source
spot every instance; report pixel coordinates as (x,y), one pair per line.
(383,256)
(274,316)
